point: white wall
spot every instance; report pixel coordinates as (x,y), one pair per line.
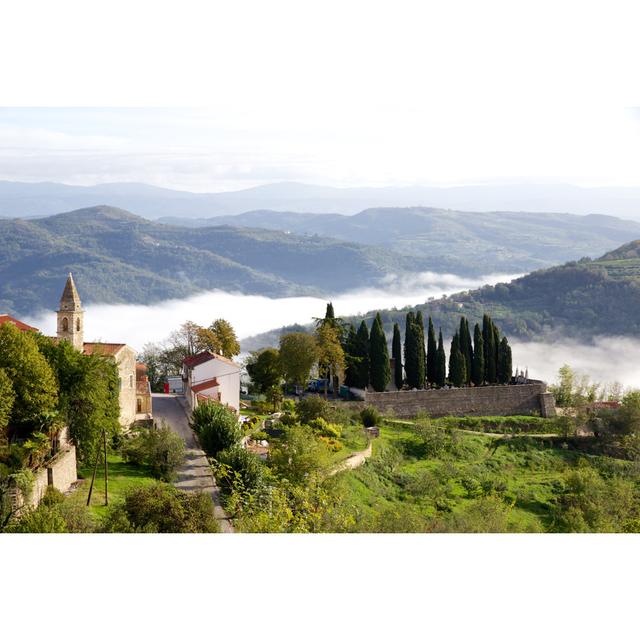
(227,375)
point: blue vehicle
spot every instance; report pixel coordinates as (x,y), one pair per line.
(318,385)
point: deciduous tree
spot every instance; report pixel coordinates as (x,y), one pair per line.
(298,353)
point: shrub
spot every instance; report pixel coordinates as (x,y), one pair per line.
(370,417)
(161,508)
(288,419)
(298,455)
(324,428)
(55,514)
(246,467)
(311,408)
(161,449)
(44,519)
(217,427)
(288,405)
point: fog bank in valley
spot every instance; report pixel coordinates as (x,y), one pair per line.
(252,314)
(605,360)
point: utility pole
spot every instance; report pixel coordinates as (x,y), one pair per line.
(93,478)
(106,469)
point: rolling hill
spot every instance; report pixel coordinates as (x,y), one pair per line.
(119,257)
(582,300)
(460,242)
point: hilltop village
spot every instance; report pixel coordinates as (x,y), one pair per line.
(86,426)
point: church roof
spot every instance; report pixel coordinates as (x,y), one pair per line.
(23,326)
(70,300)
(102,348)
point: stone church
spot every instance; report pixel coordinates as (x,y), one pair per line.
(71,328)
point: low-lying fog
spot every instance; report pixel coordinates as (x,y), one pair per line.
(606,360)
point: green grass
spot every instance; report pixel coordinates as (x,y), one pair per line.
(525,473)
(123,477)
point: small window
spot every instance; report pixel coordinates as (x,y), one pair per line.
(65,324)
(131,381)
(78,324)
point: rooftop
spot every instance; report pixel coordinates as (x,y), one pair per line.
(102,348)
(205,356)
(4,318)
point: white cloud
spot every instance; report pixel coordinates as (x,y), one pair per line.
(606,360)
(251,314)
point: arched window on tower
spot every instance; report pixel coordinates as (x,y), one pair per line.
(78,324)
(65,324)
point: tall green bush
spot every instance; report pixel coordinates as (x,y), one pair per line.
(217,427)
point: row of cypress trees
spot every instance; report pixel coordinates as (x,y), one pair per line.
(483,359)
(367,356)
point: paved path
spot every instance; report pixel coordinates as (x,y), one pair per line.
(195,474)
(353,461)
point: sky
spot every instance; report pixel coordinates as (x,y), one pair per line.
(217,149)
(212,96)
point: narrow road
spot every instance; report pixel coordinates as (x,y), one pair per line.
(353,461)
(195,474)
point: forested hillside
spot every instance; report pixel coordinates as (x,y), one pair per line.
(119,257)
(460,242)
(578,299)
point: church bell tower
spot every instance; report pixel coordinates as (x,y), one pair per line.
(71,316)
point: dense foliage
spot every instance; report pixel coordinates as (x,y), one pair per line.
(217,427)
(161,449)
(161,508)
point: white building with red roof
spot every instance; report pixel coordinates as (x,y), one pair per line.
(209,377)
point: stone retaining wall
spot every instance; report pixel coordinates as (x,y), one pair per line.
(60,472)
(507,400)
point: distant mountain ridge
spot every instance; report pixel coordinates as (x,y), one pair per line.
(119,257)
(460,242)
(48,198)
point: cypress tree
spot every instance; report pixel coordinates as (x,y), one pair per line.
(396,354)
(441,363)
(466,348)
(490,364)
(380,372)
(496,346)
(421,358)
(505,367)
(478,357)
(329,314)
(457,363)
(361,353)
(432,349)
(410,347)
(351,354)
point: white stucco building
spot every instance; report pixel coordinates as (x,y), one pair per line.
(210,377)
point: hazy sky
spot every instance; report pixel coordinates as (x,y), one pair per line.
(340,93)
(211,149)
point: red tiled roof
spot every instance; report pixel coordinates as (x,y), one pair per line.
(205,356)
(4,318)
(102,348)
(205,384)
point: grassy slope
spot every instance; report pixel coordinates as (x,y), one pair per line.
(122,478)
(529,477)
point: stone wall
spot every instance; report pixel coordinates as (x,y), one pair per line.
(509,400)
(126,363)
(60,472)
